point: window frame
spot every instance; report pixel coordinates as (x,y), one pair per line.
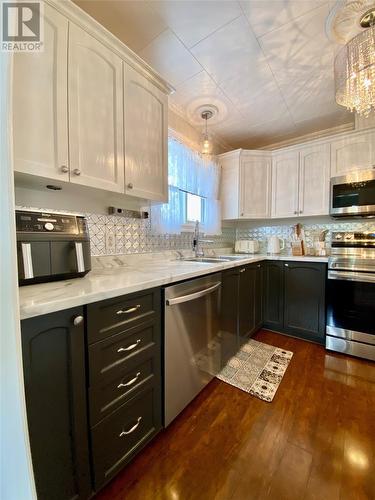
(189,226)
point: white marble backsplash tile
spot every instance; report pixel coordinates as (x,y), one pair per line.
(126,235)
(116,235)
(312,230)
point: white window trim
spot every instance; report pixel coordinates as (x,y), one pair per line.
(188,227)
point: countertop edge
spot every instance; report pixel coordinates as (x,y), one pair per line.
(59,304)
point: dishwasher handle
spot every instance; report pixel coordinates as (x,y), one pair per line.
(193,296)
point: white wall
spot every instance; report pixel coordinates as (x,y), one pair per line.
(16,476)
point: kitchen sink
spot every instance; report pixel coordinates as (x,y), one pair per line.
(233,257)
(212,260)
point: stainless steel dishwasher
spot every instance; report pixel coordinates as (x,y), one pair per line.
(192,340)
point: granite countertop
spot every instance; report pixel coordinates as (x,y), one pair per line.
(113,276)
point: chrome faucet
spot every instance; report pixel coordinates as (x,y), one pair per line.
(198,251)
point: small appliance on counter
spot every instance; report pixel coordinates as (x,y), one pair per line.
(298,244)
(350,295)
(246,246)
(273,245)
(51,246)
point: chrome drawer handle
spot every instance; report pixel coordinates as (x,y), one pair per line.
(130,347)
(130,382)
(27,261)
(132,429)
(130,310)
(242,270)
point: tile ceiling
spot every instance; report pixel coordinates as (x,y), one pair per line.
(267,65)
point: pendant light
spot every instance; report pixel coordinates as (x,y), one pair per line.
(355,69)
(206,144)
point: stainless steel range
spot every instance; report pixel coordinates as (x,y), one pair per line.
(351,294)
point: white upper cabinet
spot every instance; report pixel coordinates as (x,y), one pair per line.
(300,176)
(229,186)
(39,103)
(146,137)
(68,110)
(285,178)
(245,185)
(95,113)
(255,186)
(354,152)
(314,180)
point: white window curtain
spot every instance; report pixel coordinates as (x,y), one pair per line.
(188,171)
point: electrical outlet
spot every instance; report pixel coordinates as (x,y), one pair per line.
(110,241)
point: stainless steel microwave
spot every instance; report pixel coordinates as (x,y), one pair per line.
(353,195)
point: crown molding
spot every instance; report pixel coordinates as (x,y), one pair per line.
(78,16)
(321,134)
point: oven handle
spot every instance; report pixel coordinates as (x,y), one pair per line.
(193,296)
(351,276)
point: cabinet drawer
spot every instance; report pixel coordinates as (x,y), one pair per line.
(112,316)
(115,391)
(120,436)
(111,356)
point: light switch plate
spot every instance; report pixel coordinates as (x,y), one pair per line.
(110,241)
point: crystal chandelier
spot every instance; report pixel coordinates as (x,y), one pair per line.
(355,69)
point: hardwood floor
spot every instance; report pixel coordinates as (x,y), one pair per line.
(316,440)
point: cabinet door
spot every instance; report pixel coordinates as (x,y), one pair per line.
(146,136)
(229,188)
(230,293)
(273,295)
(285,169)
(246,319)
(255,187)
(95,113)
(258,297)
(54,373)
(40,116)
(354,152)
(230,300)
(304,309)
(314,180)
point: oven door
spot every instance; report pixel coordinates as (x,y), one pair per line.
(353,194)
(350,325)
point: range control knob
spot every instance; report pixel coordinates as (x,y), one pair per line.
(338,236)
(349,236)
(49,226)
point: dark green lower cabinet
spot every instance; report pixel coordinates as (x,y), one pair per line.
(258,296)
(55,388)
(230,293)
(114,376)
(304,300)
(242,300)
(118,438)
(273,294)
(294,298)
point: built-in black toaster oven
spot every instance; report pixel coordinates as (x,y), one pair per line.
(51,246)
